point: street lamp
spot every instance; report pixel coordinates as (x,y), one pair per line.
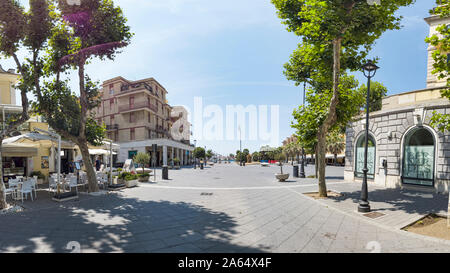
(302,166)
(369,69)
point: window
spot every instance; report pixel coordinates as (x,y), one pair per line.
(116,136)
(112,120)
(149,118)
(111,103)
(111,89)
(359,157)
(131,117)
(131,154)
(132,134)
(418,158)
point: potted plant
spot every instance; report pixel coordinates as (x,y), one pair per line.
(40,177)
(142,159)
(176,162)
(143,177)
(282,177)
(131,180)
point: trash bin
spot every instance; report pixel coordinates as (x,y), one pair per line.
(165,172)
(295,169)
(201,166)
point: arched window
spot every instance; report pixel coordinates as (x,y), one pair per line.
(359,157)
(418,158)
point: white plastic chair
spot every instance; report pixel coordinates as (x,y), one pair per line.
(52,183)
(33,181)
(101,180)
(24,189)
(12,187)
(72,183)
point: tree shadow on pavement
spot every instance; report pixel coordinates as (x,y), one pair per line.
(400,199)
(114,223)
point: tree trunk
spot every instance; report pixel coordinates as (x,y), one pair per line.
(331,117)
(92,178)
(3,203)
(315,164)
(335,160)
(321,162)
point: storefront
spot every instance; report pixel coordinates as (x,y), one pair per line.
(404,149)
(17,160)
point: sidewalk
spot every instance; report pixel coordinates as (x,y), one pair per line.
(399,207)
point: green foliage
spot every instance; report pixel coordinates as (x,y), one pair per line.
(209,154)
(441,42)
(38,174)
(127,176)
(256,156)
(377,92)
(143,175)
(142,158)
(176,161)
(309,118)
(199,152)
(335,142)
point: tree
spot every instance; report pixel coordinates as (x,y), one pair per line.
(256,156)
(441,65)
(309,118)
(29,31)
(142,159)
(95,28)
(377,92)
(280,157)
(199,153)
(335,34)
(335,143)
(209,154)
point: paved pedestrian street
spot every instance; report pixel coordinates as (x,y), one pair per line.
(224,208)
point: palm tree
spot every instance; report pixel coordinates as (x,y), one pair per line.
(335,144)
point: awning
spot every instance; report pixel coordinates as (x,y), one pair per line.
(100,152)
(19,150)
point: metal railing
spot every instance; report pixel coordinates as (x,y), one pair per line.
(138,105)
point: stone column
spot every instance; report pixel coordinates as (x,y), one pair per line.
(165,155)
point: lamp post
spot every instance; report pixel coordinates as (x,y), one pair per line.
(369,69)
(302,166)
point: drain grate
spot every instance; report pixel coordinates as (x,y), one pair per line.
(206,193)
(374,215)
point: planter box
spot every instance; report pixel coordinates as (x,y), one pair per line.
(117,187)
(143,179)
(177,167)
(67,196)
(131,183)
(282,177)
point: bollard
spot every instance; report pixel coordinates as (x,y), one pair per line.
(295,169)
(165,172)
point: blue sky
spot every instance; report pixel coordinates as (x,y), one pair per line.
(232,52)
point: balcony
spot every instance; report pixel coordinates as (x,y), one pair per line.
(138,106)
(112,127)
(128,88)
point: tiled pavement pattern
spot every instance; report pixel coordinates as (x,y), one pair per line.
(248,211)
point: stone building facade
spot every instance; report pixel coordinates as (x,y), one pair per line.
(404,150)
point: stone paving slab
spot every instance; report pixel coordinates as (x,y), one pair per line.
(248,212)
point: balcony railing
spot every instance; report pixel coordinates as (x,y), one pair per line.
(112,127)
(137,106)
(125,88)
